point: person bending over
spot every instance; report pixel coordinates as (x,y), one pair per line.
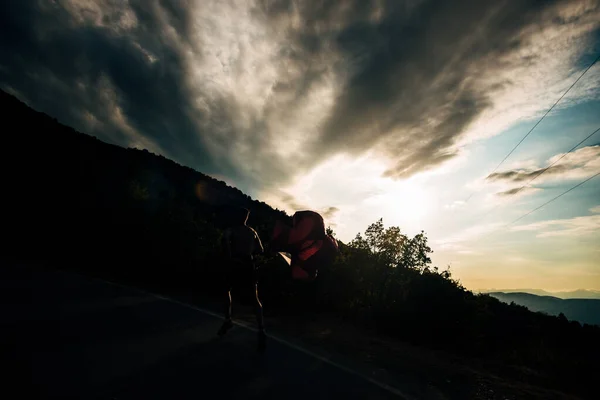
(241,243)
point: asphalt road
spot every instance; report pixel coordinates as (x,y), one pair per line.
(64,336)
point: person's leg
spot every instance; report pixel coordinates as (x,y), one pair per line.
(258,310)
(227,324)
(262,336)
(228,282)
(228,305)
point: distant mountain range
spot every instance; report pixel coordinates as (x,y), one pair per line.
(574,294)
(584,310)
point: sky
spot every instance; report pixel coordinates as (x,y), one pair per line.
(359,109)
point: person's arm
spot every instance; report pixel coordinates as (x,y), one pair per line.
(258,247)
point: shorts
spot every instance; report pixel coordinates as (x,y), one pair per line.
(240,274)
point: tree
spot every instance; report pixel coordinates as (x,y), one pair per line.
(330,232)
(391,248)
(416,253)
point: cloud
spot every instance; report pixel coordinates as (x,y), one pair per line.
(468,252)
(264,91)
(523,176)
(458,241)
(330,212)
(111,69)
(572,227)
(289,202)
(455,205)
(521,190)
(577,165)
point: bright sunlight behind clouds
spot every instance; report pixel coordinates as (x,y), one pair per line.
(359,109)
(358,189)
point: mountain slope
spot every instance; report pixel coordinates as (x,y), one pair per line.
(72,200)
(573,294)
(582,310)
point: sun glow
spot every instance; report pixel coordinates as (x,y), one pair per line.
(360,193)
(405,203)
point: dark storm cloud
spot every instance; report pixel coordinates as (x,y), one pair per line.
(408,76)
(413,69)
(79,71)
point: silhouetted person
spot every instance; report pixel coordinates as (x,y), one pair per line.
(241,244)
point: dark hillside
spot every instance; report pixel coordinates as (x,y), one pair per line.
(75,201)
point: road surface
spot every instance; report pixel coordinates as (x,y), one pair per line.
(65,336)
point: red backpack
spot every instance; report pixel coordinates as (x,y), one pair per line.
(307,242)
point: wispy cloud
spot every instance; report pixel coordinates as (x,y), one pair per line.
(579,164)
(468,252)
(575,165)
(330,212)
(573,227)
(455,205)
(518,190)
(459,241)
(290,202)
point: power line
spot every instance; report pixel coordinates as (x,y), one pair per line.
(560,158)
(541,172)
(547,112)
(543,205)
(540,120)
(550,201)
(535,177)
